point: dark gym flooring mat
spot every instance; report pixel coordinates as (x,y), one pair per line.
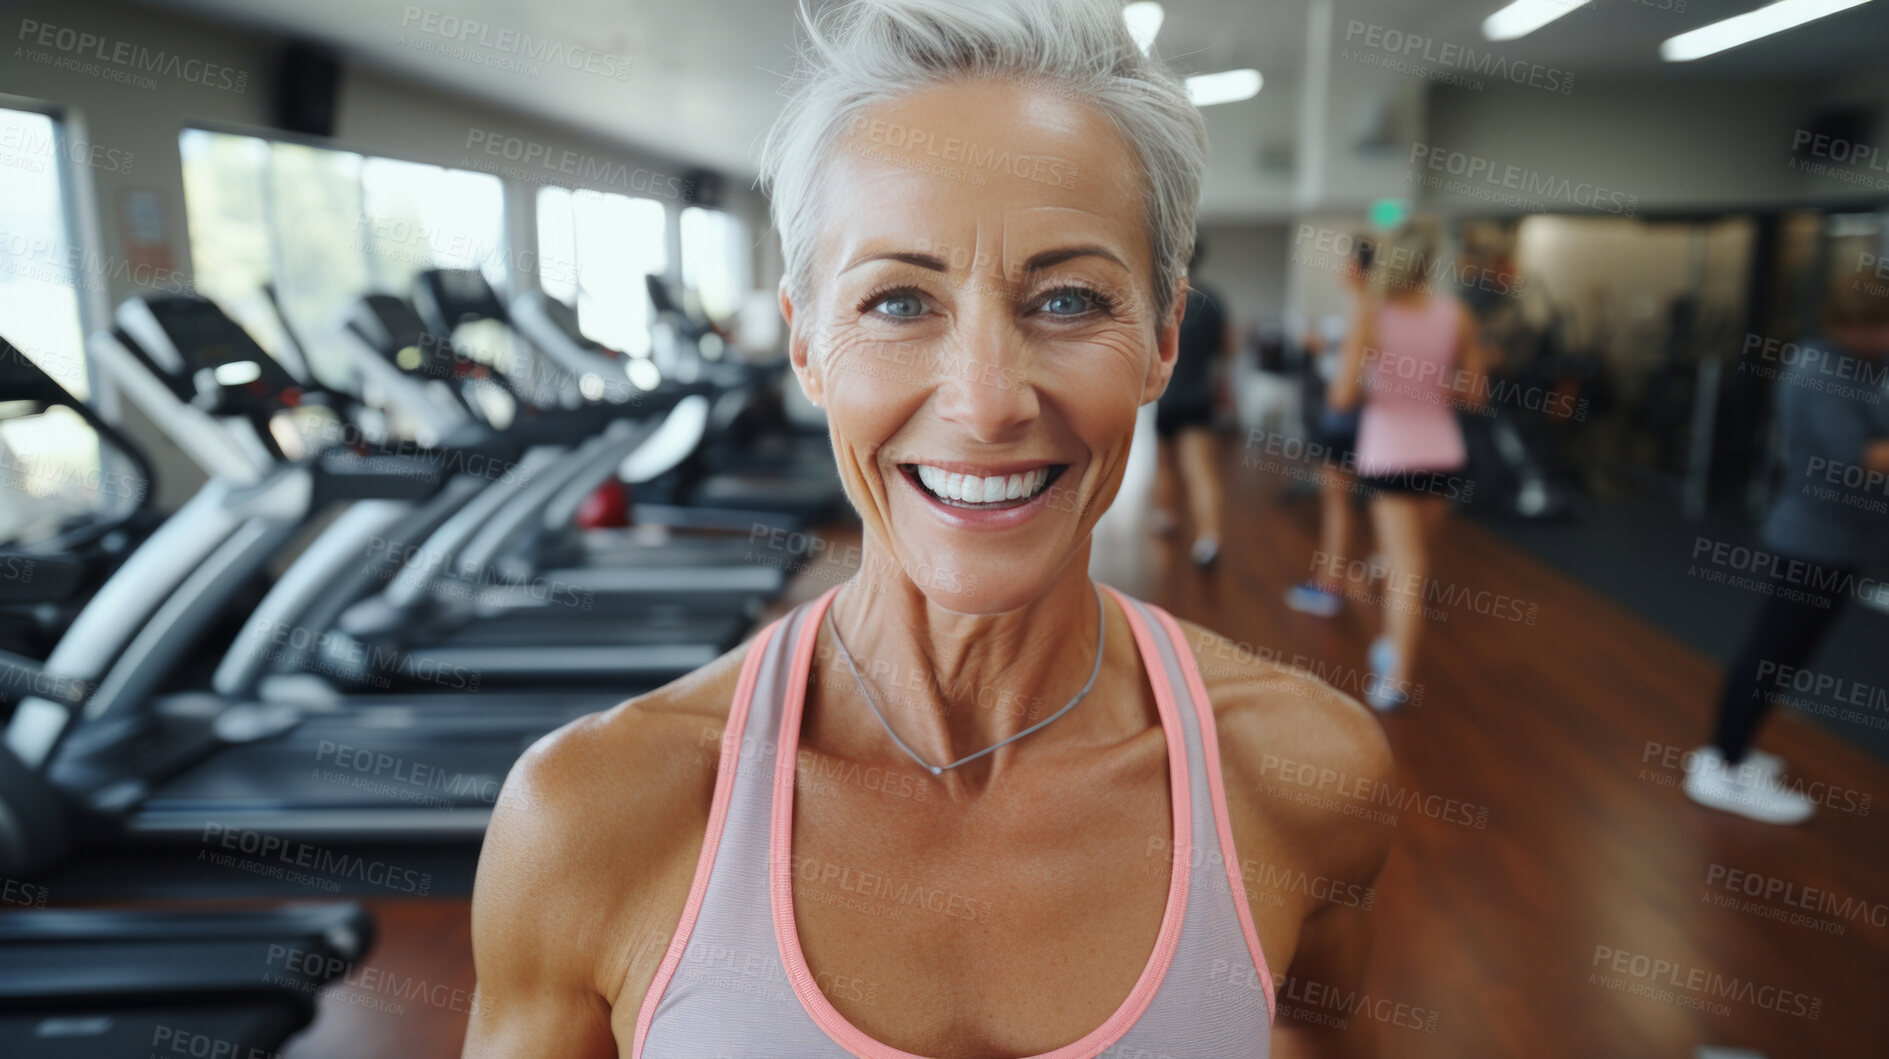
(1639,552)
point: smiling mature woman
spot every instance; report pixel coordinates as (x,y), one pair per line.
(968,804)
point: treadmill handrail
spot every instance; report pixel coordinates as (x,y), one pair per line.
(583,472)
(19,671)
(111,620)
(409,397)
(207,442)
(414,582)
(681,435)
(532,318)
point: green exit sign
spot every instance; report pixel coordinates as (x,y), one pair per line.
(1389,213)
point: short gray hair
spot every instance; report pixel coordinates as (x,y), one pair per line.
(859,53)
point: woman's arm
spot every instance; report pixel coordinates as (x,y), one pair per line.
(536,991)
(584,873)
(1347,386)
(1275,725)
(1473,358)
(1334,953)
(1876,455)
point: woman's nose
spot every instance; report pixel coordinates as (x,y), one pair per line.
(984,385)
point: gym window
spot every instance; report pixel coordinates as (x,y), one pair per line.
(39,270)
(714,260)
(594,250)
(48,462)
(325,227)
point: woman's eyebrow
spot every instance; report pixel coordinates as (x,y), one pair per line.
(926,261)
(1052,258)
(1037,262)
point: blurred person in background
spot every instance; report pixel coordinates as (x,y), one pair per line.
(1411,359)
(1336,432)
(1184,418)
(1835,445)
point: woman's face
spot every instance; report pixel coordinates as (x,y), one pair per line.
(981,330)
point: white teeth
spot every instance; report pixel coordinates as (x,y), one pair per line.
(976,489)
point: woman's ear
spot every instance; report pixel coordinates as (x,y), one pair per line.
(1167,346)
(799,356)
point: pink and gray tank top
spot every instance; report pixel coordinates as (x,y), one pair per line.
(734,982)
(1411,391)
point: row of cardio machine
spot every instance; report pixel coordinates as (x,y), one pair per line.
(386,568)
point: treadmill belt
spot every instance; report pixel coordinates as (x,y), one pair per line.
(84,1031)
(389,759)
(622,548)
(576,629)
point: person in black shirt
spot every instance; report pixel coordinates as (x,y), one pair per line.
(1832,509)
(1184,416)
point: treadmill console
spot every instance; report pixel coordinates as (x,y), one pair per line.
(390,327)
(21,380)
(564,317)
(448,297)
(211,362)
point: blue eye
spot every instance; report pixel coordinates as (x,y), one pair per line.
(1070,302)
(900,306)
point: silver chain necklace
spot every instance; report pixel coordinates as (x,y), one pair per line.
(1101,628)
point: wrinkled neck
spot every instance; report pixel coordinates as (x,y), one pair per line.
(952,684)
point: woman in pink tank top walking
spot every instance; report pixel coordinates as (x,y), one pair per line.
(1413,360)
(969,803)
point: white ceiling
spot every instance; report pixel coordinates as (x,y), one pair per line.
(705,72)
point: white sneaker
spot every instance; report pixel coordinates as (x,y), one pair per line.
(1206,550)
(1385,699)
(1767,764)
(1747,790)
(1309,598)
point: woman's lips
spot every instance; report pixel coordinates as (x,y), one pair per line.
(968,493)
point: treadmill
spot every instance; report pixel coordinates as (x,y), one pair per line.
(755,457)
(103,752)
(418,625)
(705,493)
(100,982)
(388,336)
(68,554)
(551,327)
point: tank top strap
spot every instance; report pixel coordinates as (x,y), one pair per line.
(1218,882)
(724,941)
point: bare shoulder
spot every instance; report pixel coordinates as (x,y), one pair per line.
(598,825)
(1278,726)
(641,753)
(1260,704)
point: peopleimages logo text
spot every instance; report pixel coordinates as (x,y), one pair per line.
(1522,180)
(575,164)
(133,57)
(1456,56)
(551,52)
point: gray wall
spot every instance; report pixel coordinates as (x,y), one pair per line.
(1674,143)
(1246,265)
